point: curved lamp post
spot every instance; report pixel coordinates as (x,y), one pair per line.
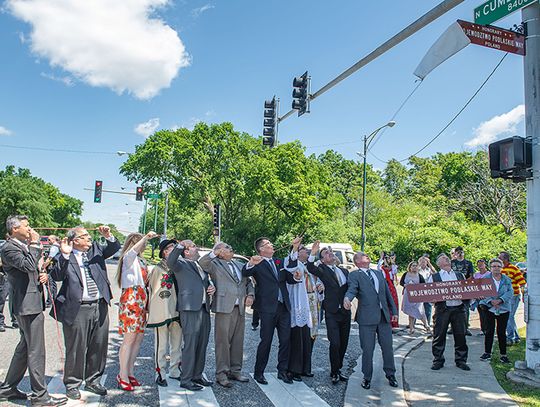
(367,141)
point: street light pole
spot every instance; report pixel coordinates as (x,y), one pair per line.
(367,141)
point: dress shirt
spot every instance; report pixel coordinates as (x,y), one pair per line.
(336,270)
(85,295)
(448,276)
(369,272)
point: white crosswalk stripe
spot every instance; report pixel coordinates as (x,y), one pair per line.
(290,395)
(172,395)
(56,388)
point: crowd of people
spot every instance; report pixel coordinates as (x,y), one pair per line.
(176,297)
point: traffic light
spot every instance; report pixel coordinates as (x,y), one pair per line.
(98,187)
(301,94)
(270,122)
(511,158)
(139,194)
(216,216)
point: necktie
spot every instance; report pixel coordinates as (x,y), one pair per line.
(233,271)
(371,279)
(91,285)
(274,269)
(338,276)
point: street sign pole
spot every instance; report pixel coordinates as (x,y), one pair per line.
(531,19)
(144,216)
(165,215)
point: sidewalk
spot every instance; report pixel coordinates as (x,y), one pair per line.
(422,387)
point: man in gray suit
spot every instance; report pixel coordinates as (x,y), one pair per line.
(20,258)
(233,294)
(194,298)
(373,316)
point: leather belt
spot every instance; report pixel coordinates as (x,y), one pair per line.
(90,302)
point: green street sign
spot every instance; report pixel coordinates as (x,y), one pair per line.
(153,196)
(493,10)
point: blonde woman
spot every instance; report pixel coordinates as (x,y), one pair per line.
(415,310)
(131,276)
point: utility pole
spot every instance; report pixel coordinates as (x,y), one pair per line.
(531,20)
(165,215)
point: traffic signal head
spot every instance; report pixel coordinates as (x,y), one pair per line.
(98,187)
(301,94)
(511,158)
(216,216)
(139,194)
(270,122)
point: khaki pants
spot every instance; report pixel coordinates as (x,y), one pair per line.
(229,339)
(168,338)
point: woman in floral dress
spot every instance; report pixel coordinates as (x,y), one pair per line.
(132,276)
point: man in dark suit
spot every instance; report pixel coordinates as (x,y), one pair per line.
(20,257)
(449,312)
(82,305)
(375,305)
(194,298)
(338,319)
(234,293)
(272,303)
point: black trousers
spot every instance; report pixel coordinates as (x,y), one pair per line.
(280,320)
(338,327)
(4,291)
(29,354)
(458,318)
(300,350)
(502,321)
(255,318)
(86,342)
(482,311)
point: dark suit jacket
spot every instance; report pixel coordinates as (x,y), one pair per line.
(68,300)
(21,266)
(370,304)
(333,293)
(189,282)
(267,285)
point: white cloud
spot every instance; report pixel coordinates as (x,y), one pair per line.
(66,80)
(489,130)
(196,12)
(148,128)
(5,132)
(120,45)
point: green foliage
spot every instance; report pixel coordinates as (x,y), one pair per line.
(428,206)
(42,202)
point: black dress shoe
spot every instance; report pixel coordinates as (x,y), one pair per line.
(260,379)
(436,366)
(366,384)
(51,401)
(192,386)
(309,374)
(73,394)
(15,394)
(342,378)
(392,381)
(335,378)
(284,377)
(203,382)
(239,377)
(254,327)
(14,324)
(96,388)
(468,333)
(296,377)
(2,328)
(463,366)
(174,378)
(161,382)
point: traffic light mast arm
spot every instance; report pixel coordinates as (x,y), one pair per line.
(436,12)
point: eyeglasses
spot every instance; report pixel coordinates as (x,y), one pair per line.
(84,235)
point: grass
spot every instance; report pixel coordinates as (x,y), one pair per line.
(524,395)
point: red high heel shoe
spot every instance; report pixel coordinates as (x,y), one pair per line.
(134,382)
(122,385)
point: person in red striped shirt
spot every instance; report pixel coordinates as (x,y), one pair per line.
(518,283)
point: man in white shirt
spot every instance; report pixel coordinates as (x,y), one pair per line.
(449,312)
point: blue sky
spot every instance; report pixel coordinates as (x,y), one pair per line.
(95,77)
